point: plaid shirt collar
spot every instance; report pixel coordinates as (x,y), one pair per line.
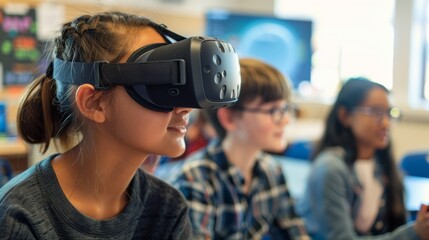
(217,155)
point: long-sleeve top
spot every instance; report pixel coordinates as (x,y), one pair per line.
(218,207)
(332,199)
(33,206)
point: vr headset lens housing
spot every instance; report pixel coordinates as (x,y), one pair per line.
(196,72)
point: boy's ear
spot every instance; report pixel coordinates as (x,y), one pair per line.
(88,103)
(226,118)
(343,116)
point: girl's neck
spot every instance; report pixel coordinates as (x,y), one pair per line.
(95,183)
(365,152)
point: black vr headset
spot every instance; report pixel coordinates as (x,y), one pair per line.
(195,72)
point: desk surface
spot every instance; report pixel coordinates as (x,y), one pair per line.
(416,192)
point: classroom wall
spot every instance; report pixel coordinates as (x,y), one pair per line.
(183,16)
(410,134)
(187,17)
(407,135)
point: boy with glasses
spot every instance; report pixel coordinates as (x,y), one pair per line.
(234,189)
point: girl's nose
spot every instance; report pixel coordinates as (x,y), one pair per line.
(385,120)
(182,110)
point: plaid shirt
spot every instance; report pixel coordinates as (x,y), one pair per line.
(219,209)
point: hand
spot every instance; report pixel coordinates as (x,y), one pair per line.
(422,222)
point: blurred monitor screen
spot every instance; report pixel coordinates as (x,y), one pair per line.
(284,43)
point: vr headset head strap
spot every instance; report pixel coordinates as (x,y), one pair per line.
(166,33)
(103,75)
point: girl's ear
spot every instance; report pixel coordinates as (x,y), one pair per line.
(344,116)
(88,103)
(226,118)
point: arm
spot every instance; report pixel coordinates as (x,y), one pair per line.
(14,225)
(289,223)
(183,227)
(331,207)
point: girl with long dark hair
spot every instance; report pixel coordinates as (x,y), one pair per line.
(354,188)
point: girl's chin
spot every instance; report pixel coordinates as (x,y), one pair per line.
(175,154)
(382,145)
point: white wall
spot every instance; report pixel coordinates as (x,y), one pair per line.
(408,135)
(412,133)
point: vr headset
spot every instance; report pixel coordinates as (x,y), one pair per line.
(195,72)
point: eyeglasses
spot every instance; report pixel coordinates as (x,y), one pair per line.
(378,113)
(277,114)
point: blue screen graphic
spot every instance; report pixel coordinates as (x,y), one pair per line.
(284,43)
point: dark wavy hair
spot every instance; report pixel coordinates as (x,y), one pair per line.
(47,110)
(351,95)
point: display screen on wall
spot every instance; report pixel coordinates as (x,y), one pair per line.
(20,49)
(284,43)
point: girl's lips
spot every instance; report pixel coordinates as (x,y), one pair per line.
(180,129)
(383,134)
(179,126)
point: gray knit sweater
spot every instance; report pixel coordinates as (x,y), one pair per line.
(33,206)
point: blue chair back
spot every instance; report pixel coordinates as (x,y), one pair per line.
(299,149)
(415,164)
(6,172)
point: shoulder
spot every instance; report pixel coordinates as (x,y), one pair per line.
(159,186)
(329,167)
(331,159)
(271,166)
(22,203)
(269,162)
(161,192)
(198,167)
(199,176)
(21,186)
(164,209)
(199,159)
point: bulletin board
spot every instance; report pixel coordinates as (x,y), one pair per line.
(20,49)
(23,36)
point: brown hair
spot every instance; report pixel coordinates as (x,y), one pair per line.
(47,110)
(258,80)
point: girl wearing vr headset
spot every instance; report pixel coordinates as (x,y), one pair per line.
(234,189)
(95,189)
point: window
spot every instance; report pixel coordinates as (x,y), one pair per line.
(350,38)
(426,54)
(416,101)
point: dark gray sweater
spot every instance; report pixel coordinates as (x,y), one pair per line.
(33,206)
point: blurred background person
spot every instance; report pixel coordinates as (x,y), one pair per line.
(354,188)
(234,189)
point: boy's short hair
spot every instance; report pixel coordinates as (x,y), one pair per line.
(258,80)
